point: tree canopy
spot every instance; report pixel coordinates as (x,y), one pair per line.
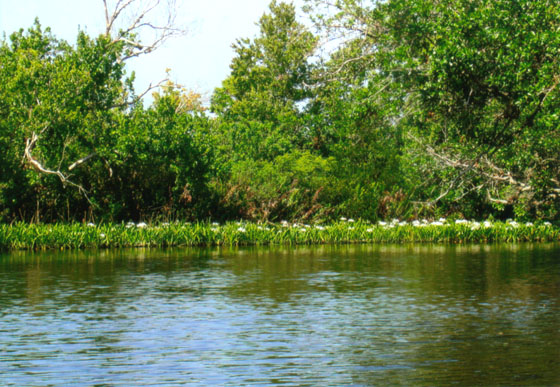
(400,108)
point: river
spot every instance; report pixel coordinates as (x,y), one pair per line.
(316,316)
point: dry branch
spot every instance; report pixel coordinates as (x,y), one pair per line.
(142,19)
(494,178)
(30,144)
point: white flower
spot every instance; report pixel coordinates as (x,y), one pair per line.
(141,225)
(416,223)
(102,235)
(130,224)
(165,224)
(369,230)
(241,229)
(441,220)
(403,223)
(547,223)
(215,224)
(351,220)
(343,218)
(381,223)
(319,228)
(438,223)
(529,224)
(487,224)
(303,229)
(461,221)
(90,224)
(475,225)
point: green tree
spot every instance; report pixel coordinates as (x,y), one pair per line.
(77,142)
(162,165)
(475,86)
(262,131)
(295,186)
(259,106)
(62,106)
(58,103)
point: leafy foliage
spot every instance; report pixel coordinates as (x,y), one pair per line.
(68,110)
(472,84)
(259,105)
(411,108)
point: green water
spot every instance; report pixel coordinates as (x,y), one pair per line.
(321,316)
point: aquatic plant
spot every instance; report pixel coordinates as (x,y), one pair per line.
(79,236)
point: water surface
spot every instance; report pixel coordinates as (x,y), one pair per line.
(319,316)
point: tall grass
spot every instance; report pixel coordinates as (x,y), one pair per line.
(78,236)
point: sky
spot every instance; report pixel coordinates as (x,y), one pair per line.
(199,60)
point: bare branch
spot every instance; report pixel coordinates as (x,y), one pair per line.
(482,167)
(138,97)
(500,201)
(120,6)
(29,145)
(153,20)
(152,87)
(82,160)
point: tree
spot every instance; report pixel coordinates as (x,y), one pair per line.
(259,104)
(58,102)
(475,83)
(62,106)
(163,165)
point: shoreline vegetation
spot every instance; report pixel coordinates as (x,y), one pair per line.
(24,236)
(404,109)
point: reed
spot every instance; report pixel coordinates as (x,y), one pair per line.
(19,236)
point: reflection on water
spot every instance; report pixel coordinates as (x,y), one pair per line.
(330,315)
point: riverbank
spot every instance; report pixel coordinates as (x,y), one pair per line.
(20,236)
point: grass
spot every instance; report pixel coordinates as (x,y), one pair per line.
(21,236)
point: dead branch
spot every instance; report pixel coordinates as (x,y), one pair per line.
(151,86)
(82,160)
(156,18)
(30,144)
(481,166)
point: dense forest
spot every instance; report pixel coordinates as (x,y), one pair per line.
(376,110)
